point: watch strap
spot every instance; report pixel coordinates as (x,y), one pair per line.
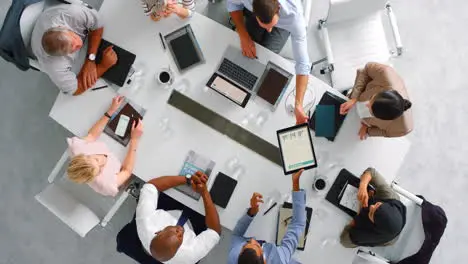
(107,115)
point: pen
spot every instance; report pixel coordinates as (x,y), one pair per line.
(99,88)
(342,190)
(269,209)
(162,40)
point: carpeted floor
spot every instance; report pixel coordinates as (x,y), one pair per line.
(434,67)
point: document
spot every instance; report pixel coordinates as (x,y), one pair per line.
(349,198)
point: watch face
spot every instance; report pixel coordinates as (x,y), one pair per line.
(92,57)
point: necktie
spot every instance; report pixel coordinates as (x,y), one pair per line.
(182,219)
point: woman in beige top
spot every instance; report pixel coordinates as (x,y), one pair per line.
(381,101)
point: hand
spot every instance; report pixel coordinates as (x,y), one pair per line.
(363,196)
(345,107)
(254,203)
(199,180)
(363,132)
(248,46)
(137,130)
(89,73)
(295,179)
(116,102)
(109,58)
(301,116)
(177,9)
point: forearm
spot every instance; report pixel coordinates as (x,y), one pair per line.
(376,132)
(211,215)
(100,70)
(301,87)
(95,37)
(242,225)
(238,18)
(166,182)
(366,177)
(129,161)
(96,130)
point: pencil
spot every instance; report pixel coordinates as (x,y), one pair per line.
(269,209)
(99,88)
(162,40)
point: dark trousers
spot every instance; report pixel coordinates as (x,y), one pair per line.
(129,243)
(274,40)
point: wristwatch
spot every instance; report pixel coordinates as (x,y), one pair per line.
(92,57)
(188,179)
(107,115)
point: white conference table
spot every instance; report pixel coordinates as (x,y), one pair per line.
(159,154)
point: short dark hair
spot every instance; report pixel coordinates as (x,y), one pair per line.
(265,10)
(249,256)
(389,105)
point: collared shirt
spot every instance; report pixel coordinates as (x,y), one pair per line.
(75,17)
(273,254)
(291,19)
(149,221)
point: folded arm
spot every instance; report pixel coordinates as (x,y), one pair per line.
(166,182)
(371,71)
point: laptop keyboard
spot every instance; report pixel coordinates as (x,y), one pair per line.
(238,74)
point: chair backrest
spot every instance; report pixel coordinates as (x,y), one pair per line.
(342,10)
(68,209)
(28,21)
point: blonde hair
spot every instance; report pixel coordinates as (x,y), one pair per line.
(80,170)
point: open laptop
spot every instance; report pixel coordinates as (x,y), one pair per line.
(236,76)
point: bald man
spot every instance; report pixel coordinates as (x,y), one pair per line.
(167,235)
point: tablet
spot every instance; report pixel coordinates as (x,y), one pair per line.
(273,84)
(296,148)
(184,48)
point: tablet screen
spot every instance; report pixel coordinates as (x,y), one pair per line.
(296,148)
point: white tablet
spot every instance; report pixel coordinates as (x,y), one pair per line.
(297,150)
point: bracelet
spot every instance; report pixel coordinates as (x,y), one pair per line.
(107,115)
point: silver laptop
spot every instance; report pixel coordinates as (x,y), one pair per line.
(241,70)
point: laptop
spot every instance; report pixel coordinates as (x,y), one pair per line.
(118,73)
(236,76)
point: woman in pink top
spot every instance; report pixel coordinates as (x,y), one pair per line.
(94,164)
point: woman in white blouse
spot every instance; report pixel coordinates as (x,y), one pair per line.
(158,9)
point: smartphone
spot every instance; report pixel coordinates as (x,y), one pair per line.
(122,125)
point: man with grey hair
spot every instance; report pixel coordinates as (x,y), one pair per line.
(56,42)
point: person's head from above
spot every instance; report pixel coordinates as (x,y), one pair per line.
(251,253)
(59,41)
(84,168)
(165,244)
(266,12)
(388,105)
(385,216)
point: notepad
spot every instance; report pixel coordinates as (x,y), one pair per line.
(325,121)
(285,216)
(349,198)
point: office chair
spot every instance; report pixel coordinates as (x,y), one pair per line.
(287,52)
(353,34)
(409,241)
(28,21)
(77,205)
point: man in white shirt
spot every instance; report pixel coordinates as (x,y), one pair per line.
(165,235)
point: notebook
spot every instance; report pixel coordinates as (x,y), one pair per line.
(184,48)
(284,219)
(222,189)
(325,121)
(129,109)
(194,162)
(330,99)
(118,73)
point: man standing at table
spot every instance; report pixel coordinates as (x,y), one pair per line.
(269,23)
(251,251)
(163,228)
(56,40)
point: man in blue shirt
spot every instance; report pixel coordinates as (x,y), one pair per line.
(269,23)
(251,251)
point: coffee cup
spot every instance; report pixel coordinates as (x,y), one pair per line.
(319,184)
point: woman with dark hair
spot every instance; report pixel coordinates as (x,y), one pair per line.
(381,218)
(381,102)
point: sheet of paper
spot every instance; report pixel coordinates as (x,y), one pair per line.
(297,148)
(349,198)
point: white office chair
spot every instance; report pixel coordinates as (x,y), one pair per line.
(353,34)
(28,21)
(410,240)
(287,52)
(77,205)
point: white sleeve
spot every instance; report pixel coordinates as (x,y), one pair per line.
(148,201)
(205,242)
